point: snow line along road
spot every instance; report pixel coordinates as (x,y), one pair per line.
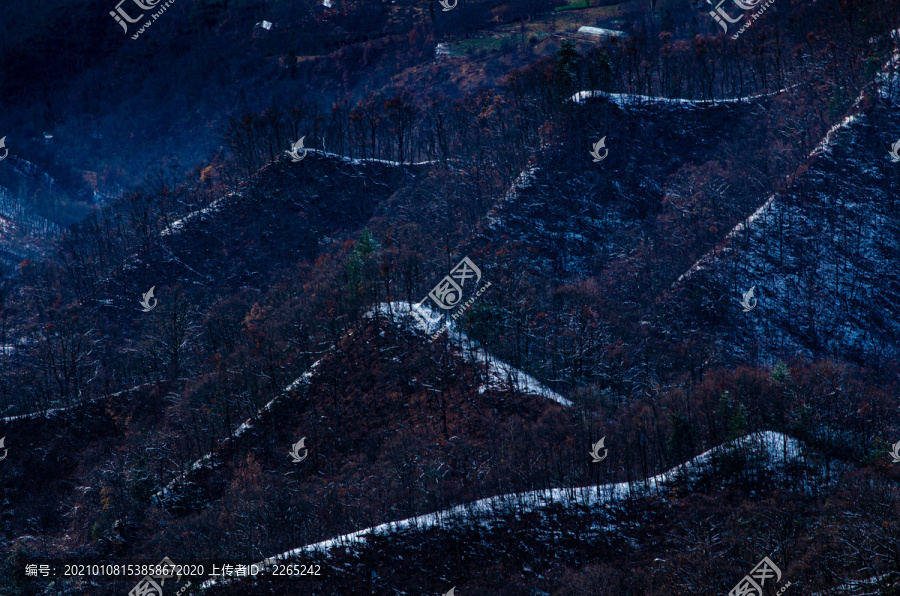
(779,447)
(500,374)
(626,99)
(160,495)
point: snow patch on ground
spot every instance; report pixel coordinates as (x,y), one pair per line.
(523,180)
(500,374)
(598,32)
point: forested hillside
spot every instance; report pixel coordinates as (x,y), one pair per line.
(503,248)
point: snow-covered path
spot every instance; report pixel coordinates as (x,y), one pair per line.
(764,209)
(822,148)
(80,404)
(500,374)
(360,160)
(176,225)
(160,495)
(211,208)
(523,180)
(627,99)
(778,447)
(714,253)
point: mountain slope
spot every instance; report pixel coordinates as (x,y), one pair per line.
(703,525)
